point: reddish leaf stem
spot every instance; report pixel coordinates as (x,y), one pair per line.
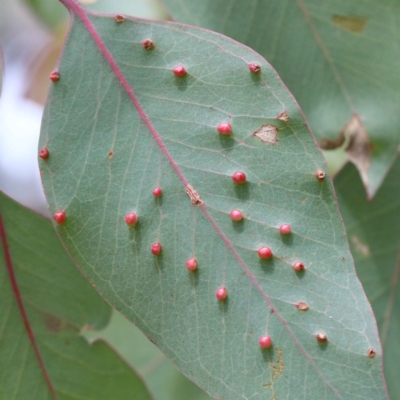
(76,8)
(22,311)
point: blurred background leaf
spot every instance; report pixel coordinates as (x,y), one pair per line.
(373,230)
(52,12)
(59,302)
(161,376)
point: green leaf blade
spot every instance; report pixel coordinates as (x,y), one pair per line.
(58,304)
(105,161)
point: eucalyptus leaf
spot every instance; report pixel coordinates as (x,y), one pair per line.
(119,123)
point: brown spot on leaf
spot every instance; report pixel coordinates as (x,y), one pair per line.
(267,133)
(371,353)
(283,116)
(302,306)
(119,18)
(277,370)
(359,148)
(53,323)
(278,367)
(111,154)
(321,337)
(194,196)
(350,23)
(320,175)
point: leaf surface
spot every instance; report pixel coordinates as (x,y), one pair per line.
(339,58)
(163,379)
(58,303)
(118,123)
(374,235)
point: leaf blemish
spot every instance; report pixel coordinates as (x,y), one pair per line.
(277,370)
(111,154)
(53,324)
(119,19)
(267,133)
(194,196)
(302,306)
(350,23)
(320,175)
(283,116)
(371,353)
(148,44)
(321,337)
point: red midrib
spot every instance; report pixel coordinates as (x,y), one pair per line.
(76,8)
(22,311)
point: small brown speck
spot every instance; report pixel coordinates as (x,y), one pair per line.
(371,353)
(119,18)
(302,306)
(283,116)
(111,154)
(321,337)
(194,196)
(320,175)
(148,44)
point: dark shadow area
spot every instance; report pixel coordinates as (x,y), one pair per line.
(182,82)
(135,236)
(223,305)
(268,265)
(242,191)
(287,239)
(194,277)
(238,226)
(227,142)
(268,354)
